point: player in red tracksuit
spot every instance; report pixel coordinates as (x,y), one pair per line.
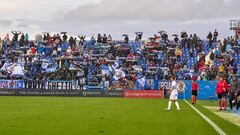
(195,89)
(225,94)
(221,91)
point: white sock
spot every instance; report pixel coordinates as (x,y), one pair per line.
(177,105)
(169,105)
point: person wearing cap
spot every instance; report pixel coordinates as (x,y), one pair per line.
(234,93)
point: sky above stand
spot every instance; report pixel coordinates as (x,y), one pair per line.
(118,16)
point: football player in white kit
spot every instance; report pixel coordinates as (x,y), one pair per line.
(173,95)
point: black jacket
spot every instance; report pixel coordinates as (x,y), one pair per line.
(234,86)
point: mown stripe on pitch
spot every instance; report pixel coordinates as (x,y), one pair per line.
(215,126)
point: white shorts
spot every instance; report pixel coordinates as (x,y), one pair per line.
(174,95)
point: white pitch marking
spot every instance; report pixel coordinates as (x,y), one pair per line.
(215,126)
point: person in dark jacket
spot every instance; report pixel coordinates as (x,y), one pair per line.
(99,38)
(210,39)
(234,93)
(215,35)
(104,39)
(210,36)
(211,56)
(126,39)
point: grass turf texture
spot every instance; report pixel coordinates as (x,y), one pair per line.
(103,116)
(228,127)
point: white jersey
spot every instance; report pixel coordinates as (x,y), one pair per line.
(174,85)
(174,93)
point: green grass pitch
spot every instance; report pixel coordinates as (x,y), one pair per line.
(103,116)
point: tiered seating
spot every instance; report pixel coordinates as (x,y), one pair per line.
(149,59)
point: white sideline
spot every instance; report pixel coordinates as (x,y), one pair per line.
(218,129)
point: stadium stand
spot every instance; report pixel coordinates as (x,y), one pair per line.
(104,60)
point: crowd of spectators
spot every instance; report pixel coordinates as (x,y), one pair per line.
(59,57)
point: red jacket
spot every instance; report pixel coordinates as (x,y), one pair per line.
(195,86)
(226,86)
(221,87)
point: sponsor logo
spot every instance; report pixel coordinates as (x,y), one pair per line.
(143,94)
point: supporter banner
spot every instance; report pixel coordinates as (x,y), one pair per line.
(149,84)
(143,94)
(152,84)
(166,84)
(12,84)
(62,85)
(38,84)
